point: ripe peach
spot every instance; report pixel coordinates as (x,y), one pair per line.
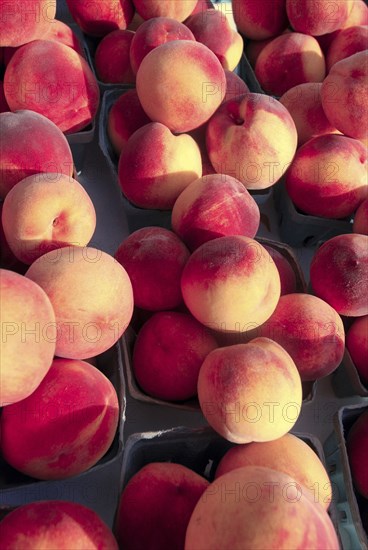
(345,95)
(22,22)
(44,212)
(319,17)
(154,259)
(170,8)
(61,32)
(357,447)
(357,344)
(158,486)
(155,166)
(235,86)
(27,336)
(214,206)
(154,32)
(283,454)
(65,426)
(260,19)
(56,524)
(319,180)
(91,295)
(305,106)
(289,60)
(347,42)
(168,353)
(360,224)
(181,84)
(63,87)
(231,146)
(287,275)
(112,59)
(339,271)
(100,18)
(257,507)
(124,118)
(311,332)
(31,144)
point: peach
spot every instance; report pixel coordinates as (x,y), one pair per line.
(125,117)
(347,42)
(360,224)
(154,32)
(170,8)
(257,507)
(214,206)
(284,455)
(254,47)
(235,86)
(339,271)
(231,146)
(157,487)
(319,180)
(345,96)
(112,59)
(288,279)
(319,17)
(22,22)
(62,87)
(181,84)
(154,259)
(260,19)
(155,166)
(310,330)
(27,336)
(357,344)
(289,60)
(229,282)
(44,212)
(357,447)
(168,353)
(56,524)
(100,18)
(65,426)
(31,144)
(211,28)
(61,32)
(92,297)
(250,392)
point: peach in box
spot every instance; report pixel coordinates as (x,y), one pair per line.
(260,19)
(357,344)
(100,18)
(112,60)
(22,22)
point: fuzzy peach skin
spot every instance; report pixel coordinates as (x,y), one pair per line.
(31,144)
(154,259)
(156,488)
(357,448)
(124,118)
(347,42)
(257,507)
(287,275)
(168,353)
(100,18)
(55,524)
(357,344)
(345,95)
(214,206)
(211,28)
(62,87)
(289,60)
(339,271)
(61,32)
(112,58)
(92,297)
(328,176)
(235,86)
(250,392)
(360,224)
(284,455)
(65,426)
(155,166)
(169,8)
(229,282)
(181,84)
(154,32)
(231,145)
(305,106)
(22,22)
(27,336)
(320,17)
(44,212)
(311,332)
(260,19)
